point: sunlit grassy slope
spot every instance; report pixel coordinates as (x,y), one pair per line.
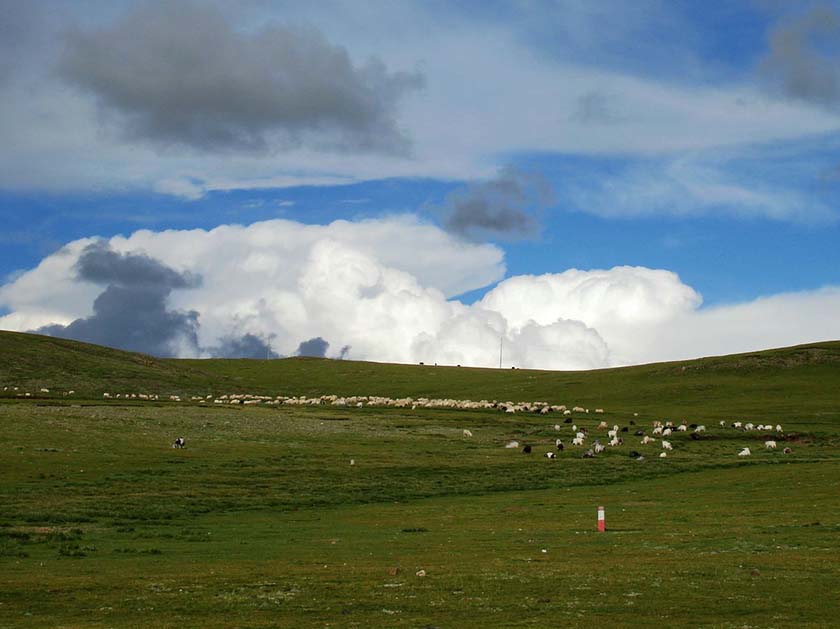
(803,380)
(262,521)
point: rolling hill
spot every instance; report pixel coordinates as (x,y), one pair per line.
(804,379)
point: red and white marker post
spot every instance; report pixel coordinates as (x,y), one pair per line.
(602,520)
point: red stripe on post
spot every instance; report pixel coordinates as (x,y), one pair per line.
(602,520)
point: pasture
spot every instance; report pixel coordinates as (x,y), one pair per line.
(261,521)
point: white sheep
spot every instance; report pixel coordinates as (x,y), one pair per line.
(700,428)
(770,444)
(663,455)
(467,433)
(666,445)
(745,452)
(577,441)
(666,432)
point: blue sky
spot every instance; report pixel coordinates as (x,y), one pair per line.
(696,139)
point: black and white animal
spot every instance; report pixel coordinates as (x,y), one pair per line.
(179,443)
(549,455)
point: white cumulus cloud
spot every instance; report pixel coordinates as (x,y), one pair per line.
(384,290)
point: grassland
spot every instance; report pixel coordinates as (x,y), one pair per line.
(261,521)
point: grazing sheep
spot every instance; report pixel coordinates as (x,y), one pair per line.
(599,410)
(615,441)
(770,444)
(646,440)
(657,430)
(639,433)
(736,424)
(663,455)
(512,444)
(560,445)
(526,450)
(779,428)
(556,426)
(666,445)
(598,448)
(467,433)
(602,426)
(549,455)
(577,441)
(634,454)
(745,452)
(589,454)
(180,442)
(666,432)
(787,451)
(700,428)
(581,435)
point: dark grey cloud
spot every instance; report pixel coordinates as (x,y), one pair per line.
(501,207)
(245,346)
(178,74)
(316,348)
(132,312)
(803,61)
(18,22)
(102,265)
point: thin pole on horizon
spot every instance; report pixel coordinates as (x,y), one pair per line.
(501,340)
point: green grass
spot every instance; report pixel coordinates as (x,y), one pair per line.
(262,522)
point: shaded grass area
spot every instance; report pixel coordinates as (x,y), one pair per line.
(32,362)
(262,521)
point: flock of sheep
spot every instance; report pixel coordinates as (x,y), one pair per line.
(659,430)
(613,436)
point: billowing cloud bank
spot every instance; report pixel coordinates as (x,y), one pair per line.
(383,290)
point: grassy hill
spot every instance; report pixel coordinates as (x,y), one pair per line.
(802,380)
(32,361)
(313,516)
